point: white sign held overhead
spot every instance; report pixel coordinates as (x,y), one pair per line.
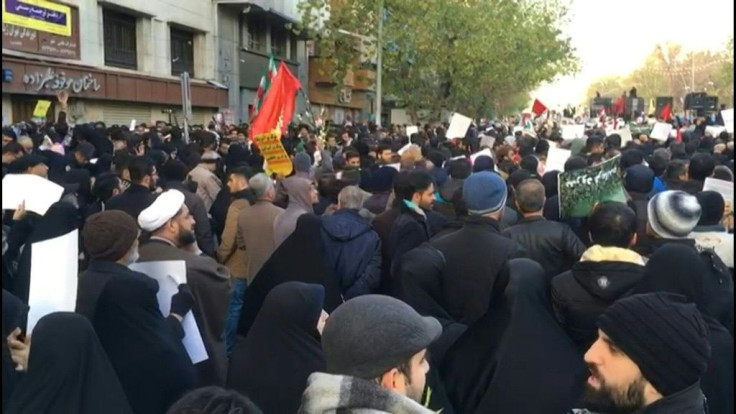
(169,275)
(459,125)
(556,158)
(132,125)
(714,131)
(625,134)
(573,131)
(53,286)
(411,130)
(37,192)
(485,151)
(661,131)
(723,187)
(727,115)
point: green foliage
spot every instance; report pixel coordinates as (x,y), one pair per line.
(472,56)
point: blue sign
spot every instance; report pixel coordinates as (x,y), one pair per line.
(7,75)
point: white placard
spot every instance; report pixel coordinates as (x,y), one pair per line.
(169,275)
(53,286)
(485,151)
(625,134)
(459,125)
(722,187)
(412,129)
(37,192)
(132,125)
(487,141)
(556,158)
(714,131)
(573,131)
(727,115)
(661,131)
(396,166)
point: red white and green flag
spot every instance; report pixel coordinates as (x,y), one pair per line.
(265,85)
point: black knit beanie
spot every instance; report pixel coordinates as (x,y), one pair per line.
(108,235)
(664,335)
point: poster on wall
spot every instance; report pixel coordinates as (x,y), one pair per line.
(40,15)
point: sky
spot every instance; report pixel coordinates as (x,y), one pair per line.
(637,27)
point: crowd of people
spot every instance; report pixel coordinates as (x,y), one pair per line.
(386,274)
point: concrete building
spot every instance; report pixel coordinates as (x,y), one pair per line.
(248,32)
(121,62)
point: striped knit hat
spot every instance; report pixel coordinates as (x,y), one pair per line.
(673,214)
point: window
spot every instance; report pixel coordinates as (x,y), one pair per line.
(278,42)
(120,42)
(182,52)
(293,45)
(255,35)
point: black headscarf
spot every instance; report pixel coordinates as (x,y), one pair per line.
(297,259)
(15,313)
(676,268)
(60,219)
(272,364)
(68,371)
(516,359)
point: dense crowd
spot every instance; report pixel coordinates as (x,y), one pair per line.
(386,274)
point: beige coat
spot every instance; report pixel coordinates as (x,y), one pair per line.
(230,253)
(208,185)
(255,234)
(211,288)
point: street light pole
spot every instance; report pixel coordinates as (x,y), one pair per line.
(379,54)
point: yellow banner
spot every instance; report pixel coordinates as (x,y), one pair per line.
(42,108)
(38,15)
(273,152)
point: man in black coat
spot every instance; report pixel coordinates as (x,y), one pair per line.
(550,243)
(417,223)
(144,347)
(475,255)
(138,196)
(607,271)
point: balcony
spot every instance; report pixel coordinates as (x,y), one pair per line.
(321,71)
(364,80)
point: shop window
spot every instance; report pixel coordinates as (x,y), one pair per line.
(120,40)
(182,52)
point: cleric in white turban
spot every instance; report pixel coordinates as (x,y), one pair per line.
(167,206)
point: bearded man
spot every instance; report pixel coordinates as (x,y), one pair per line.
(171,228)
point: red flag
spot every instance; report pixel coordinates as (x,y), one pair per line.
(538,108)
(666,113)
(273,120)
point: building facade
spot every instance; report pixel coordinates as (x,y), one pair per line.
(248,33)
(351,98)
(122,62)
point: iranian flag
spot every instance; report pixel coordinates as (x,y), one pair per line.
(265,85)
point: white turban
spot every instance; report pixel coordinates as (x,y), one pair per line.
(166,207)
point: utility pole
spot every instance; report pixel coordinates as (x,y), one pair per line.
(379,54)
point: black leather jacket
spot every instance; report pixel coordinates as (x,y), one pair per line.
(551,244)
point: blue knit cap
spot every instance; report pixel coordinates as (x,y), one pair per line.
(484,192)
